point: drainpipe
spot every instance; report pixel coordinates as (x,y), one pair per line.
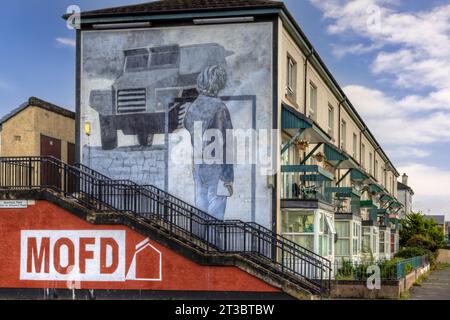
(360,145)
(306,86)
(374,160)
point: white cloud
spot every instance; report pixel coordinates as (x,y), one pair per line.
(395,121)
(408,152)
(431,186)
(66,42)
(357,49)
(414,54)
(421,39)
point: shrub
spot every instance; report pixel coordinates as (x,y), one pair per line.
(346,270)
(408,268)
(418,231)
(420,241)
(389,268)
(411,252)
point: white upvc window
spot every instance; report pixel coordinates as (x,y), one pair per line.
(298,226)
(291,78)
(355,145)
(356,238)
(370,163)
(343,243)
(331,120)
(363,156)
(343,135)
(382,242)
(376,170)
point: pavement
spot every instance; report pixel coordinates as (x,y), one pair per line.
(435,287)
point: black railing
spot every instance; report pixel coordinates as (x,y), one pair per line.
(183,221)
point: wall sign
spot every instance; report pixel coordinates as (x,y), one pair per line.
(13,204)
(44,246)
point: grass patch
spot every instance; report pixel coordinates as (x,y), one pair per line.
(443,266)
(419,280)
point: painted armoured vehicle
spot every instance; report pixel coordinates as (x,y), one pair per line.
(142,100)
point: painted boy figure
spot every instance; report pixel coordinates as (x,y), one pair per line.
(209,110)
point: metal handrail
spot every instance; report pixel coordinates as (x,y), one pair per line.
(99,192)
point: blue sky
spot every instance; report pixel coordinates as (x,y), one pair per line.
(392,57)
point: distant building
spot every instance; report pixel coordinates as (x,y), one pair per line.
(440,221)
(405,194)
(38,128)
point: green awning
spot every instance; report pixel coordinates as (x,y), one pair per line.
(292,121)
(308,168)
(373,187)
(338,158)
(375,213)
(367,204)
(358,175)
(344,192)
(386,198)
(314,178)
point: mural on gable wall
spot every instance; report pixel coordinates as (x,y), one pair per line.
(144,91)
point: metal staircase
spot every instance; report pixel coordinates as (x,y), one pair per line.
(99,193)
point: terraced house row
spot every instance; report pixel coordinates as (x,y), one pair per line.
(154,78)
(338,188)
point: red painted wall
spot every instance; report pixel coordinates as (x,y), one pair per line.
(39,245)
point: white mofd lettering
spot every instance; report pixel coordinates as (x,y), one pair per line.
(73,255)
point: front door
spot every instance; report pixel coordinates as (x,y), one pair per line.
(50,170)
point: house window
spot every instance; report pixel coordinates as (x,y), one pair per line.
(376,170)
(366,241)
(298,226)
(370,163)
(363,156)
(356,238)
(330,120)
(374,242)
(291,78)
(382,242)
(355,145)
(313,101)
(343,135)
(17,138)
(343,243)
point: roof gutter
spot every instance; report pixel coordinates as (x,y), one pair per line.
(174,16)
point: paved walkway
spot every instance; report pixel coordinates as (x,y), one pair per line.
(435,287)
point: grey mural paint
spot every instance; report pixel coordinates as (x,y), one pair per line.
(141,91)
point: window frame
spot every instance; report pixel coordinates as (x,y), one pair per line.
(312,109)
(343,135)
(330,120)
(291,77)
(355,145)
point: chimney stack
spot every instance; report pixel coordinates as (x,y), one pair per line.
(405,179)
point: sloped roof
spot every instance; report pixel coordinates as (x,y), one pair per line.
(36,102)
(402,186)
(182,6)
